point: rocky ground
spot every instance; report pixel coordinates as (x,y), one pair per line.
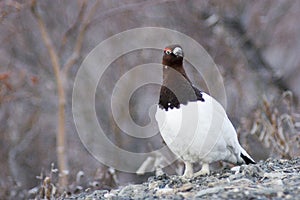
(270,179)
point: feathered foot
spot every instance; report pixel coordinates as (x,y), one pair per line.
(204,170)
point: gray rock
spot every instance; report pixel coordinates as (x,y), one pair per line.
(133,191)
(209,191)
(271,179)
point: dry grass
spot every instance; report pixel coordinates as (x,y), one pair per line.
(49,187)
(276,125)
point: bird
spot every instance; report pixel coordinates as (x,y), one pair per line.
(194,125)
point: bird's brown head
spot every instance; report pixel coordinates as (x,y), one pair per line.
(173,56)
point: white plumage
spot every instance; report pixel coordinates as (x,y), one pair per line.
(200,132)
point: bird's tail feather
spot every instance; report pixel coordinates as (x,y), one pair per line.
(247,159)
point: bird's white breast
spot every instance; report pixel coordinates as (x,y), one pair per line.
(198,131)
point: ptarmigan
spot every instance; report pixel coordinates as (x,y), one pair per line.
(193,124)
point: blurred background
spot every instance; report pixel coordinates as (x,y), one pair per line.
(255,45)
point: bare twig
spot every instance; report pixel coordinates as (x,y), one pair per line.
(79,41)
(75,25)
(60,138)
(128,7)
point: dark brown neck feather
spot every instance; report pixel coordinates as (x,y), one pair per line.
(177,88)
(179,68)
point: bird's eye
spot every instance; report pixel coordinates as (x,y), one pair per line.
(168,52)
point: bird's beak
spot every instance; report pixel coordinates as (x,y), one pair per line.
(178,52)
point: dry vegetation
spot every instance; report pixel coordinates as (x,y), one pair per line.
(275,125)
(254,44)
